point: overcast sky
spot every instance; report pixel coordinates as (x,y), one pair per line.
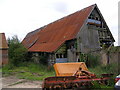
(18,17)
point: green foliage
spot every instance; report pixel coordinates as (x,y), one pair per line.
(76,44)
(111,82)
(17,52)
(83,57)
(114,49)
(100,69)
(110,68)
(90,59)
(30,71)
(104,46)
(43,60)
(97,86)
(7,70)
(0,70)
(62,49)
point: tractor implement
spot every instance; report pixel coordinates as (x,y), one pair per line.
(73,75)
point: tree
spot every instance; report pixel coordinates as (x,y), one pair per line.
(17,52)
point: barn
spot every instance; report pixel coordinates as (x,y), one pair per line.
(65,39)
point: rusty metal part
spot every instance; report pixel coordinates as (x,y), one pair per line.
(70,82)
(73,75)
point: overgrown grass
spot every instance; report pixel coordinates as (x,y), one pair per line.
(31,71)
(103,69)
(39,72)
(97,86)
(110,68)
(0,69)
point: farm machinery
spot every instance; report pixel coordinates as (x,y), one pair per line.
(73,75)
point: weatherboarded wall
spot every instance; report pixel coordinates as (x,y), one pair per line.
(88,39)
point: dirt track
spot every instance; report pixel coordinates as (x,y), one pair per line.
(13,82)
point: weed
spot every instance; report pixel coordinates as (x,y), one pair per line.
(31,71)
(0,69)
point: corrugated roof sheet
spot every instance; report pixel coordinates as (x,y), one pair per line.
(50,37)
(51,47)
(3,42)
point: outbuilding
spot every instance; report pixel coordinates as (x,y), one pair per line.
(65,39)
(3,49)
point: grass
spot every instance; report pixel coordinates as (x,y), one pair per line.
(31,71)
(98,86)
(102,69)
(0,69)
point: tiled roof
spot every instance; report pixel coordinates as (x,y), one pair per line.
(3,42)
(51,36)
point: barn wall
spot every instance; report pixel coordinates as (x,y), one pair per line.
(71,55)
(51,59)
(88,39)
(36,57)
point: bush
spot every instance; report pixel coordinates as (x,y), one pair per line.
(43,60)
(17,52)
(91,60)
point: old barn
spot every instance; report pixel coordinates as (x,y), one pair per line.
(65,39)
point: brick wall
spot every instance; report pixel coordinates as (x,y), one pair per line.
(3,56)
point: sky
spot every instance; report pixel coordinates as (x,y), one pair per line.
(19,17)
